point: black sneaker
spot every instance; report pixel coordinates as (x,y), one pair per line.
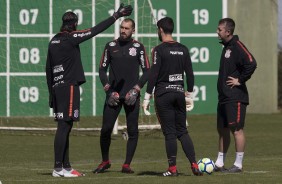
(219,169)
(102,167)
(170,173)
(126,169)
(233,169)
(195,169)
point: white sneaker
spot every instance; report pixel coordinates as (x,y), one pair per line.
(71,173)
(58,173)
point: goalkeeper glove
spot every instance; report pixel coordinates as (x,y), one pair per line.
(146,103)
(189,101)
(113,98)
(123,11)
(131,96)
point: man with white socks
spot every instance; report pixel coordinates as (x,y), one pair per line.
(237,65)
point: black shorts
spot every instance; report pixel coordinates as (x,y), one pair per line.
(66,100)
(231,115)
(171,112)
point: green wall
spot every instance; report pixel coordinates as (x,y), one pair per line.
(256,25)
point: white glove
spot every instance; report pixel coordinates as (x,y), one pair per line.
(189,101)
(146,103)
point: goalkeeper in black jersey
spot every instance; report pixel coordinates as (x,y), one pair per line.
(64,73)
(123,57)
(170,60)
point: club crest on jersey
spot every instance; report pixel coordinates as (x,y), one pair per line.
(112,44)
(227,53)
(132,51)
(136,45)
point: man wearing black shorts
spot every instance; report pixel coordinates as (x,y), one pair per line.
(124,57)
(237,65)
(170,60)
(64,73)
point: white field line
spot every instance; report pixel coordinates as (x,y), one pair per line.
(141,127)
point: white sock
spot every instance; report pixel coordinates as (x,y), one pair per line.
(220,159)
(239,159)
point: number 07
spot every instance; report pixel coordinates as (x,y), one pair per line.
(24,16)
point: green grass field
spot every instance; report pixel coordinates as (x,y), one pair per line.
(27,157)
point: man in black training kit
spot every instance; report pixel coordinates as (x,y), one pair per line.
(64,73)
(237,65)
(170,60)
(124,56)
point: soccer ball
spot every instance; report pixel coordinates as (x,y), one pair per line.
(206,165)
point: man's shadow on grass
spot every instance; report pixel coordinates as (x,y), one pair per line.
(154,173)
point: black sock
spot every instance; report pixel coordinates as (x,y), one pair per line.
(188,147)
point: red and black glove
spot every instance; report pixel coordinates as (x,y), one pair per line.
(123,11)
(113,99)
(131,95)
(113,96)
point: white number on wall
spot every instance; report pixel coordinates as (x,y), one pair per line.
(79,14)
(28,16)
(200,54)
(201,16)
(29,94)
(200,93)
(32,55)
(159,14)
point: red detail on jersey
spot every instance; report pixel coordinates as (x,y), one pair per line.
(246,51)
(238,112)
(102,58)
(146,58)
(172,41)
(71,101)
(145,54)
(80,31)
(152,55)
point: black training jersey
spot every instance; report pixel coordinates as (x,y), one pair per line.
(63,65)
(169,62)
(236,61)
(124,59)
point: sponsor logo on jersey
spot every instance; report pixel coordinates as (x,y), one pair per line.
(155,58)
(58,77)
(105,58)
(175,87)
(112,44)
(59,115)
(227,53)
(55,41)
(175,77)
(82,34)
(175,53)
(58,68)
(132,51)
(142,61)
(76,113)
(59,82)
(136,45)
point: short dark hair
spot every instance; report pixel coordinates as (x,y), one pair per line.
(229,24)
(130,20)
(69,20)
(166,24)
